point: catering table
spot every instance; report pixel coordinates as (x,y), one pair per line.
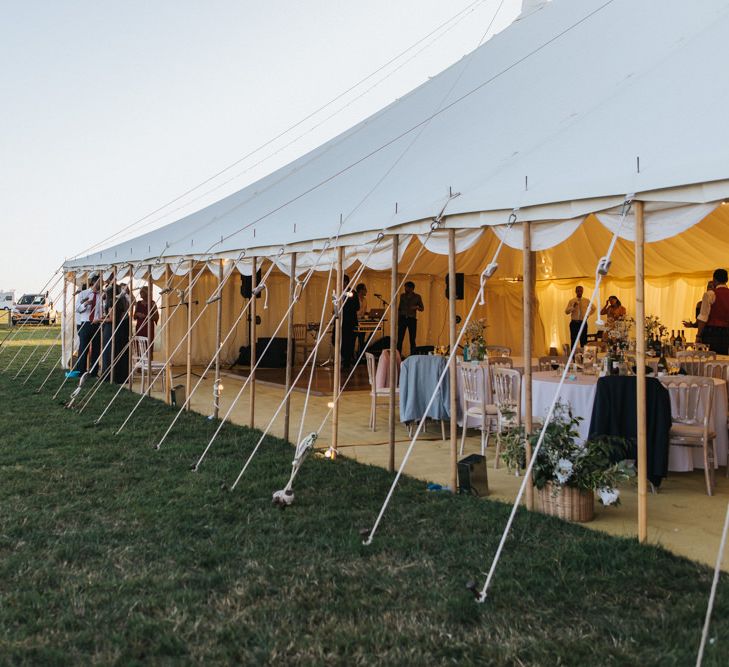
(418,378)
(580,394)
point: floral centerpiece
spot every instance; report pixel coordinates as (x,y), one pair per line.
(474,339)
(567,473)
(618,333)
(654,328)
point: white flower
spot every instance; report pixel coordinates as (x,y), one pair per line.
(608,496)
(563,471)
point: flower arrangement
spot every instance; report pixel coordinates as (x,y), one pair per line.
(475,331)
(654,328)
(474,339)
(618,333)
(564,461)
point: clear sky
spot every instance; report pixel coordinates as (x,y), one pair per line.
(112,109)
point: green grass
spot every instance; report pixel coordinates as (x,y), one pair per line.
(114,553)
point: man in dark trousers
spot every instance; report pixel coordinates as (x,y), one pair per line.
(349,325)
(713,320)
(410,304)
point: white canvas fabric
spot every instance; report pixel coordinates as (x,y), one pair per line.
(571,107)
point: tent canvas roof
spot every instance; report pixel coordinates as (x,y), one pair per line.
(549,116)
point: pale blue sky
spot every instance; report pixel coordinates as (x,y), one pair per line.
(111,109)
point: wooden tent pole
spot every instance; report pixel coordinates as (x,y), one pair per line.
(452,369)
(100,361)
(131,328)
(188,355)
(113,323)
(528,308)
(150,324)
(290,346)
(218,329)
(393,351)
(640,395)
(252,338)
(168,357)
(64,319)
(337,351)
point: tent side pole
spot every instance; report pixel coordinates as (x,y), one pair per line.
(114,288)
(452,369)
(188,351)
(290,346)
(150,324)
(393,351)
(252,339)
(640,375)
(337,351)
(168,357)
(64,319)
(528,308)
(130,325)
(218,329)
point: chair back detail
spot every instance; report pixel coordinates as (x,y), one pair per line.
(507,395)
(371,370)
(506,362)
(693,361)
(691,399)
(499,350)
(547,363)
(140,346)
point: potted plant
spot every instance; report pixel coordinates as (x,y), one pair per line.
(567,472)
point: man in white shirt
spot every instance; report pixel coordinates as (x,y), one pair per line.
(88,311)
(576,309)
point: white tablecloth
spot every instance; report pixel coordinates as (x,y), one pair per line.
(580,394)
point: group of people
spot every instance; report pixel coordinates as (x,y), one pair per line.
(576,308)
(103,315)
(712,314)
(356,307)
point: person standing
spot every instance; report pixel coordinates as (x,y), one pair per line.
(362,313)
(407,310)
(96,315)
(85,328)
(693,324)
(144,323)
(576,309)
(713,319)
(349,325)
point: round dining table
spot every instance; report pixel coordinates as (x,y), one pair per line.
(579,392)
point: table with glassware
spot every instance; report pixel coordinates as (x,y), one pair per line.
(579,392)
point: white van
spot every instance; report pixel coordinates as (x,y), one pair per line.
(7,299)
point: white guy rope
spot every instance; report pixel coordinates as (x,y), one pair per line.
(145,322)
(603,267)
(456,17)
(211,299)
(339,303)
(313,365)
(712,595)
(299,287)
(479,299)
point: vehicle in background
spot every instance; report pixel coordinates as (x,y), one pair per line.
(36,308)
(7,299)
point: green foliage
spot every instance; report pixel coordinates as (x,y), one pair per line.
(563,460)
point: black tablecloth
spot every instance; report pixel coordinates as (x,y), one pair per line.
(614,413)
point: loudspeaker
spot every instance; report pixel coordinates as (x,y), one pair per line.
(275,356)
(246,285)
(459,286)
(472,475)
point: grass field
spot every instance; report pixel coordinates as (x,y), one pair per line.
(114,553)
